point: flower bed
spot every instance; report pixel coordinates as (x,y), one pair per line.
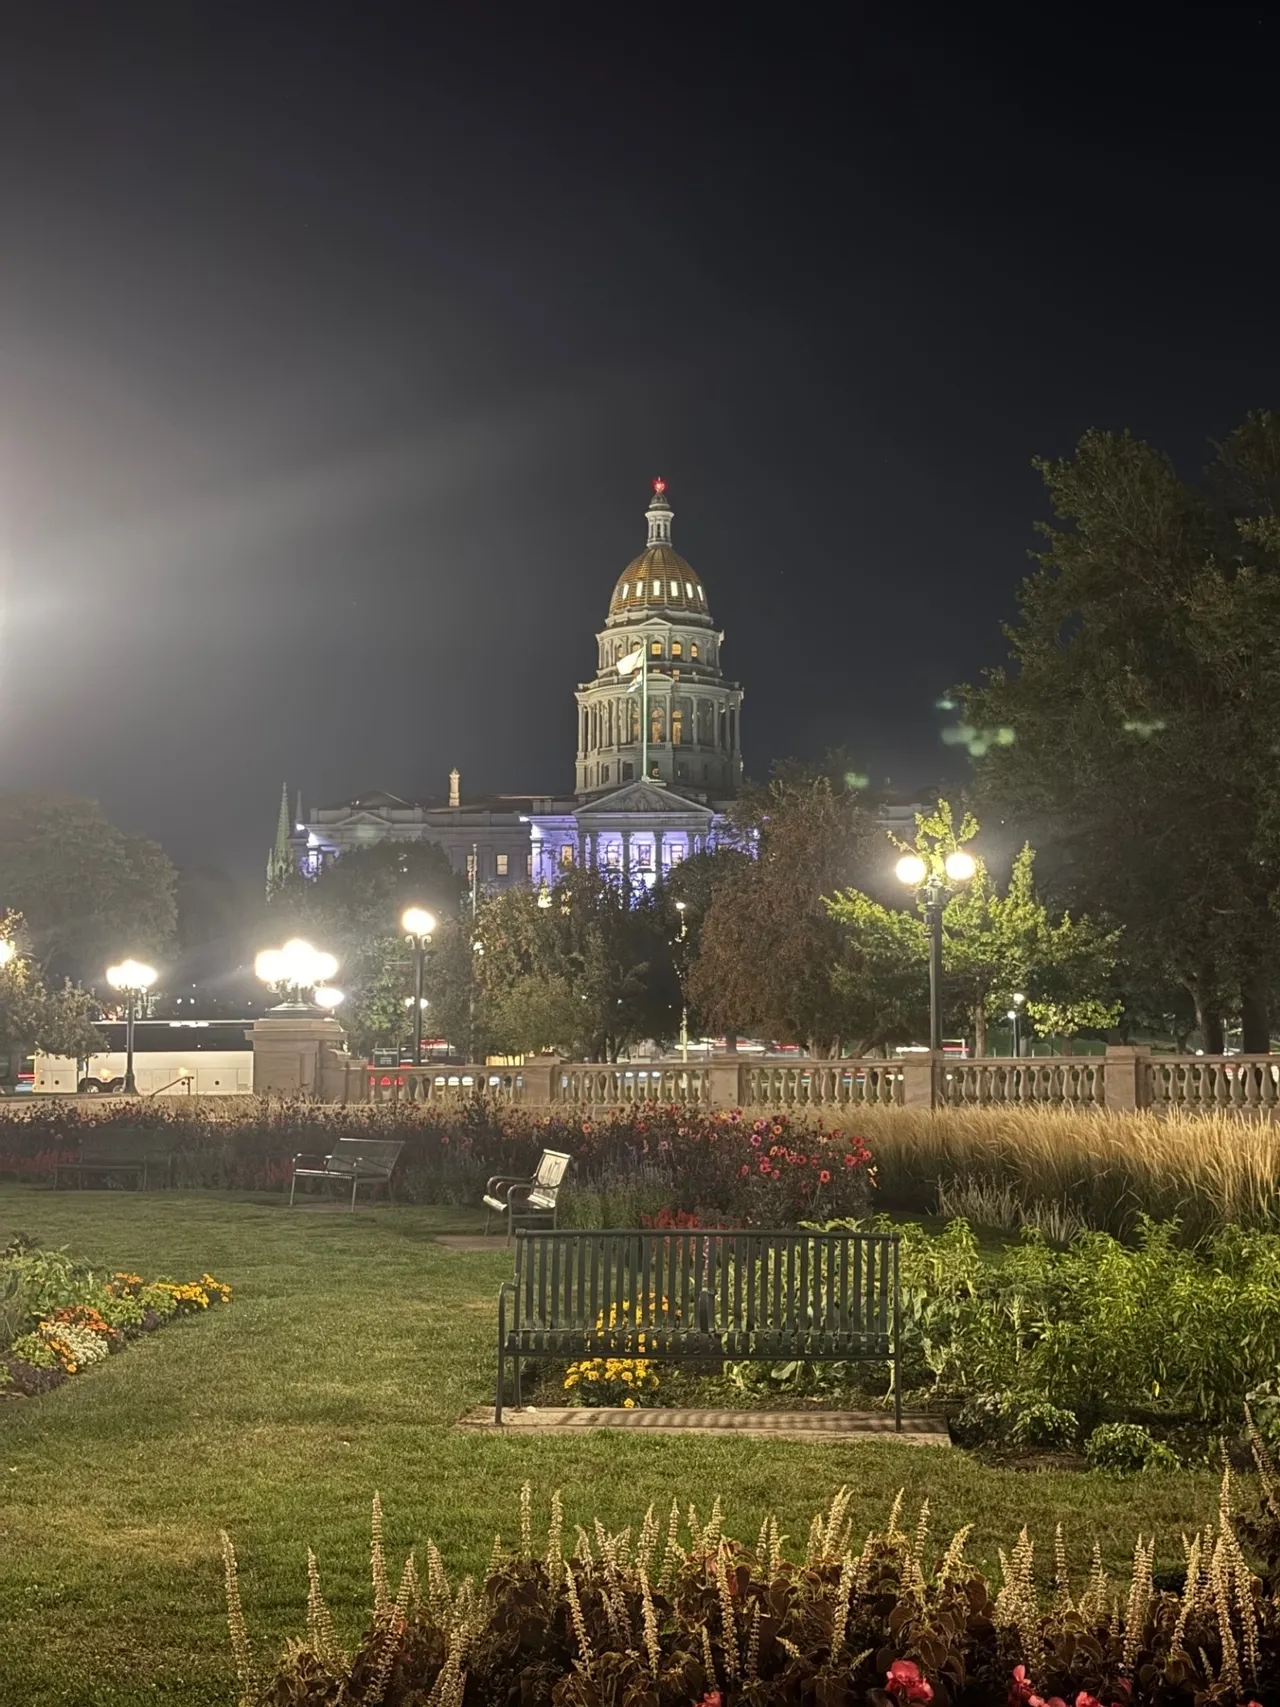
(670,1613)
(720,1164)
(58,1318)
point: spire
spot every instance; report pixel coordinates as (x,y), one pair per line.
(280,862)
(659,514)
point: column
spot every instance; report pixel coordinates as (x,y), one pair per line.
(659,854)
(626,853)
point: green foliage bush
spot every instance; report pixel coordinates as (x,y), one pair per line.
(1127,1448)
(1046,1426)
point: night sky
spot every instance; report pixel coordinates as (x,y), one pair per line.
(338,347)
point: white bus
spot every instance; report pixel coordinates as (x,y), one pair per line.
(171,1057)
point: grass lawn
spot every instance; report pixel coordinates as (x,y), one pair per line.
(351,1346)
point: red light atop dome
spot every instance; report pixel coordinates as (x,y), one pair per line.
(659,485)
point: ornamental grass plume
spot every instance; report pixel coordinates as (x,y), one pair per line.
(756,1628)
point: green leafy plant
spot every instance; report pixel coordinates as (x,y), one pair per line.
(1126,1449)
(1044,1425)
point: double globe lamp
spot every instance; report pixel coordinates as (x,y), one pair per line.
(133,979)
(418,925)
(297,967)
(932,889)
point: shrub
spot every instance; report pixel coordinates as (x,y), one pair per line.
(1127,1448)
(770,1171)
(701,1619)
(1044,1425)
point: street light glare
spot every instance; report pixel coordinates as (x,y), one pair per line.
(960,866)
(328,996)
(417,921)
(911,870)
(7,952)
(131,975)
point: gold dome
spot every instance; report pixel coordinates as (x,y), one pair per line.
(659,578)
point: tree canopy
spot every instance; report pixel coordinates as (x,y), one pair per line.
(1141,703)
(89,893)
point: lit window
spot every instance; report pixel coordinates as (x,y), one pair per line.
(655,649)
(693,648)
(657,589)
(700,590)
(566,854)
(613,855)
(528,863)
(502,865)
(624,590)
(639,589)
(644,855)
(677,650)
(688,589)
(675,589)
(675,854)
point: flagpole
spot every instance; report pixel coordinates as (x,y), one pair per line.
(644,710)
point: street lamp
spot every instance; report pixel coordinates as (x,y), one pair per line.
(7,952)
(932,888)
(418,925)
(295,967)
(1015,1014)
(134,979)
(682,908)
(327,996)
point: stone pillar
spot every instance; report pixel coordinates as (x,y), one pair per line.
(725,1084)
(626,855)
(659,854)
(921,1080)
(1124,1078)
(299,1050)
(540,1076)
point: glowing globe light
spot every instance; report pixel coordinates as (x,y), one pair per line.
(131,975)
(911,870)
(417,921)
(7,952)
(960,866)
(296,966)
(328,997)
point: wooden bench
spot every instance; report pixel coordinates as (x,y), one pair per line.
(532,1199)
(743,1296)
(355,1161)
(131,1150)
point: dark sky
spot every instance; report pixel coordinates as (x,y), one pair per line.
(338,346)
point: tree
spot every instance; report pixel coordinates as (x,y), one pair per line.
(993,944)
(353,909)
(1142,708)
(89,893)
(33,1015)
(589,960)
(768,946)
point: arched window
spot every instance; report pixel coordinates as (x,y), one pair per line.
(655,649)
(693,648)
(677,650)
(677,722)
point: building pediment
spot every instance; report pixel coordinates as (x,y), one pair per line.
(643,799)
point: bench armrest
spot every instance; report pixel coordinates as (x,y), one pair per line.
(311,1156)
(501,1182)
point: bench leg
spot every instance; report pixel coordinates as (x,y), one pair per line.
(519,1399)
(502,1361)
(355,1181)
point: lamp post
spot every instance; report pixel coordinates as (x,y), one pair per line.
(418,925)
(682,907)
(1015,1014)
(932,889)
(294,968)
(133,979)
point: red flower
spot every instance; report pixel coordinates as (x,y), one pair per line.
(756,1140)
(711,1699)
(764,1167)
(1020,1686)
(903,1679)
(824,1178)
(1084,1699)
(743,1171)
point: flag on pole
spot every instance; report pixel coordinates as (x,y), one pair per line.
(631,662)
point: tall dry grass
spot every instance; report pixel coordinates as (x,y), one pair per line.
(1206,1169)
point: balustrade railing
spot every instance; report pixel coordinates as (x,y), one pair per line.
(820,1084)
(1202,1083)
(1065,1081)
(1122,1080)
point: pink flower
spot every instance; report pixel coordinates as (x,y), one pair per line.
(903,1679)
(1020,1686)
(756,1140)
(764,1167)
(711,1699)
(824,1178)
(1084,1699)
(743,1171)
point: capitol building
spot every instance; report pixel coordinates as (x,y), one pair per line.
(659,754)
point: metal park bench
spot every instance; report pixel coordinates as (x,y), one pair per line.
(532,1199)
(744,1296)
(135,1151)
(355,1161)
